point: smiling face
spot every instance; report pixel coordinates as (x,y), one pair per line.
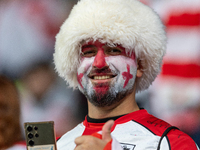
(106,74)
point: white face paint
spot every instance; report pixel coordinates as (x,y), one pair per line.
(118,77)
(126,68)
(83,72)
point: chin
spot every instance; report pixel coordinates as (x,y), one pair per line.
(109,98)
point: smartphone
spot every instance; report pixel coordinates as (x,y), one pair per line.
(40,135)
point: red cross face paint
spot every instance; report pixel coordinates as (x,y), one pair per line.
(106,74)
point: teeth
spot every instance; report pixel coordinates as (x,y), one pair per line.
(101,77)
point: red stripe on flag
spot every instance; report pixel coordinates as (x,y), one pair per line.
(185,19)
(179,70)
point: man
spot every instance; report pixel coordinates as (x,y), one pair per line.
(111,49)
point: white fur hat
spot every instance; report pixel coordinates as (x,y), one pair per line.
(127,22)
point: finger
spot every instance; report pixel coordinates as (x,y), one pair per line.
(106,130)
(84,139)
(79,140)
(89,142)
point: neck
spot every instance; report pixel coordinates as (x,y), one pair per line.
(125,106)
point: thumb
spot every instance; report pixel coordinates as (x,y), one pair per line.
(106,130)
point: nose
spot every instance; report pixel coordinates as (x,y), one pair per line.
(99,61)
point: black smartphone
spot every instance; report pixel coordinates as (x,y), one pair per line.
(40,135)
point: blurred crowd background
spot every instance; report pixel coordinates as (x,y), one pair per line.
(27,37)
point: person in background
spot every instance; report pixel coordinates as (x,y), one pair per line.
(45,98)
(110,50)
(10,130)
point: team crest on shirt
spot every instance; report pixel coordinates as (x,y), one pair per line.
(126,146)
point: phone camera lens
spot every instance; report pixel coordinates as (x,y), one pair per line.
(29,128)
(30,135)
(31,142)
(36,128)
(36,135)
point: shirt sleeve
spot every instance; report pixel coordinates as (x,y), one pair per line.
(178,140)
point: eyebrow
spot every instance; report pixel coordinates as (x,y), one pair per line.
(87,46)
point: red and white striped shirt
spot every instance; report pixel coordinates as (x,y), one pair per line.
(135,131)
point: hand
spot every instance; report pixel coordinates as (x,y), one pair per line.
(88,142)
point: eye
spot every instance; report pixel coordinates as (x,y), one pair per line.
(88,53)
(114,51)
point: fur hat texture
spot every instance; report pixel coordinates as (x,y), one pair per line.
(129,23)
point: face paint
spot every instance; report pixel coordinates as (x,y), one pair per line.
(99,60)
(126,68)
(79,78)
(106,79)
(127,76)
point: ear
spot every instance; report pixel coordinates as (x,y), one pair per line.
(139,69)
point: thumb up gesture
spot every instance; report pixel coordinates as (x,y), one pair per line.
(106,131)
(88,142)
